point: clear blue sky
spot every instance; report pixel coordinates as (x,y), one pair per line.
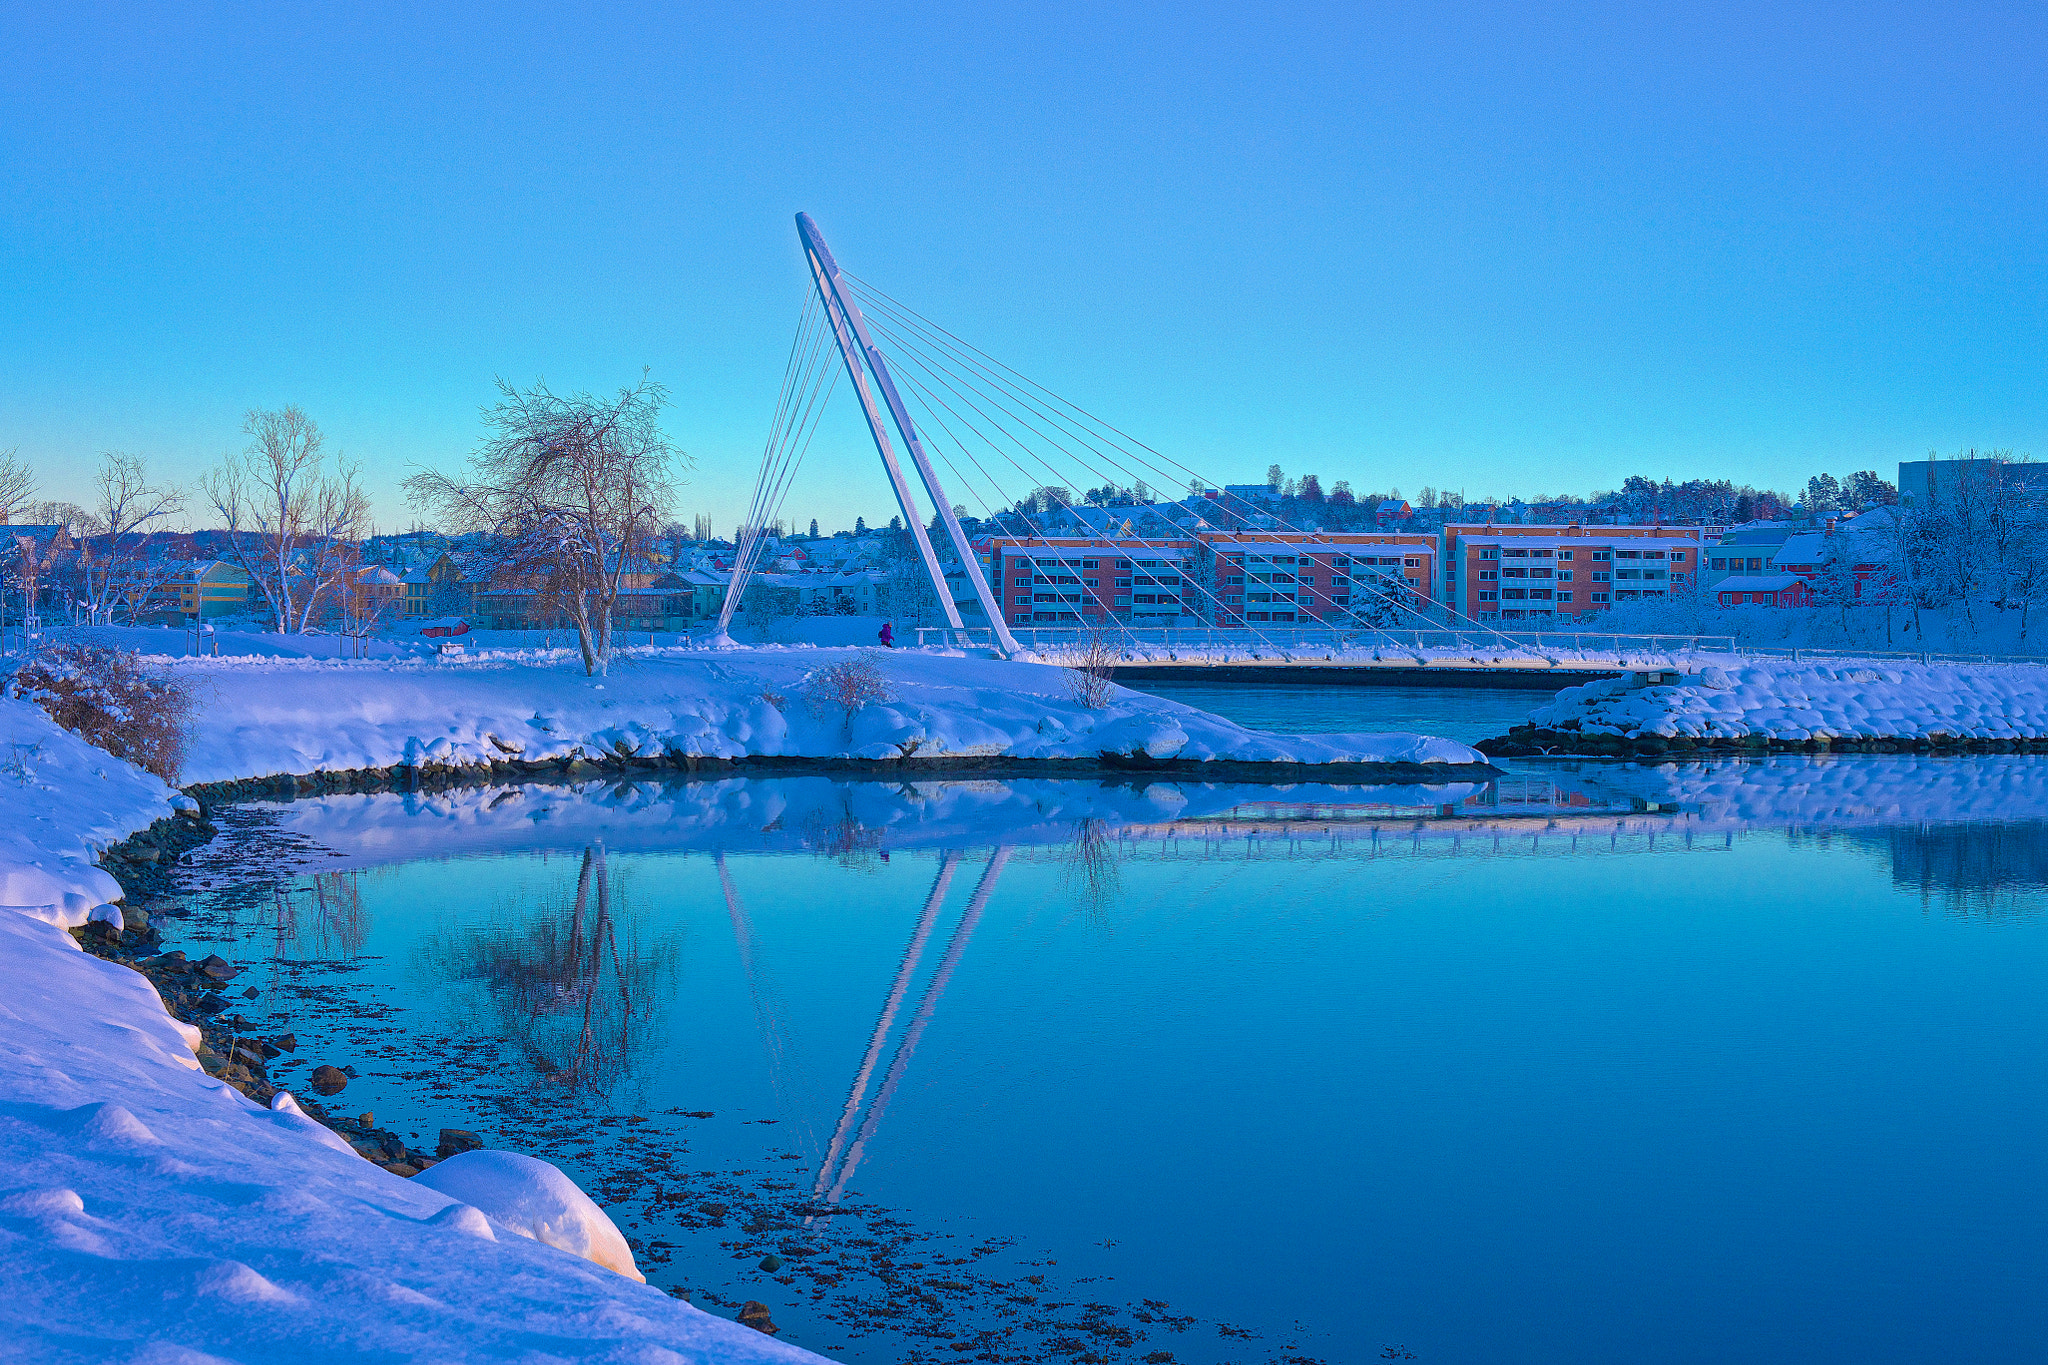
(1493,249)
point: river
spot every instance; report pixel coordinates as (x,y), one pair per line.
(1594,1063)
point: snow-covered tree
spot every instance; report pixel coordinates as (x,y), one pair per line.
(113,562)
(17,485)
(570,488)
(291,526)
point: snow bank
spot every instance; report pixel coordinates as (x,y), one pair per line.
(1802,701)
(62,801)
(533,1199)
(261,717)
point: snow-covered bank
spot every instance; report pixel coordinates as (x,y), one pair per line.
(1806,703)
(258,717)
(151,1212)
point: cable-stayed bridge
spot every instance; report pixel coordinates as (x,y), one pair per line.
(965,423)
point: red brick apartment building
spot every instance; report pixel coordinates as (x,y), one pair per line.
(1535,573)
(1309,577)
(1219,578)
(1071,581)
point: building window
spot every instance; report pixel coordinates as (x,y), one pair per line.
(1602,597)
(1489,597)
(1488,575)
(1600,577)
(1489,552)
(1564,554)
(1564,575)
(1603,554)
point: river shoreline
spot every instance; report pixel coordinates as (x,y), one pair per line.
(1107,767)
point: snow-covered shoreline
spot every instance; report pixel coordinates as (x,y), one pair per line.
(262,717)
(1841,704)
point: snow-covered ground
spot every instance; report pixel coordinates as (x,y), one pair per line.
(150,1212)
(1842,699)
(259,717)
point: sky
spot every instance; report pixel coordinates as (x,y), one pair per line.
(1500,250)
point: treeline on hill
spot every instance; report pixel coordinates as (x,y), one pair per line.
(1639,498)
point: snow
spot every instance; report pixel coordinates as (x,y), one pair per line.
(62,801)
(533,1199)
(149,1211)
(259,717)
(1800,701)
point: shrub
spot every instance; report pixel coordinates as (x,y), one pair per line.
(845,687)
(108,698)
(1088,666)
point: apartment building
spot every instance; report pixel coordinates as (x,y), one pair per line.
(1541,573)
(1069,581)
(1746,550)
(1309,577)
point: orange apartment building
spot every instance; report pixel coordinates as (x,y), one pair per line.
(1519,573)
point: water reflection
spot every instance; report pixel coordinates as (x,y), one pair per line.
(319,916)
(832,1169)
(570,981)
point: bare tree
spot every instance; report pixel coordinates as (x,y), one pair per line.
(572,489)
(111,560)
(291,526)
(17,484)
(368,594)
(33,563)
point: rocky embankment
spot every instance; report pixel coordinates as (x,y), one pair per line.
(202,993)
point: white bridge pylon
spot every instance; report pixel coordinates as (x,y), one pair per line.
(857,348)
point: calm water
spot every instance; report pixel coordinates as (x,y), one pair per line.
(1468,714)
(1593,1064)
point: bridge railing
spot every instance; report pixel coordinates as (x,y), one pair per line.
(1286,643)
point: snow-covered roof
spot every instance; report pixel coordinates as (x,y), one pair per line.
(1861,539)
(1597,538)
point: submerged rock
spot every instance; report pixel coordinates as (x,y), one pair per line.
(755,1315)
(328,1080)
